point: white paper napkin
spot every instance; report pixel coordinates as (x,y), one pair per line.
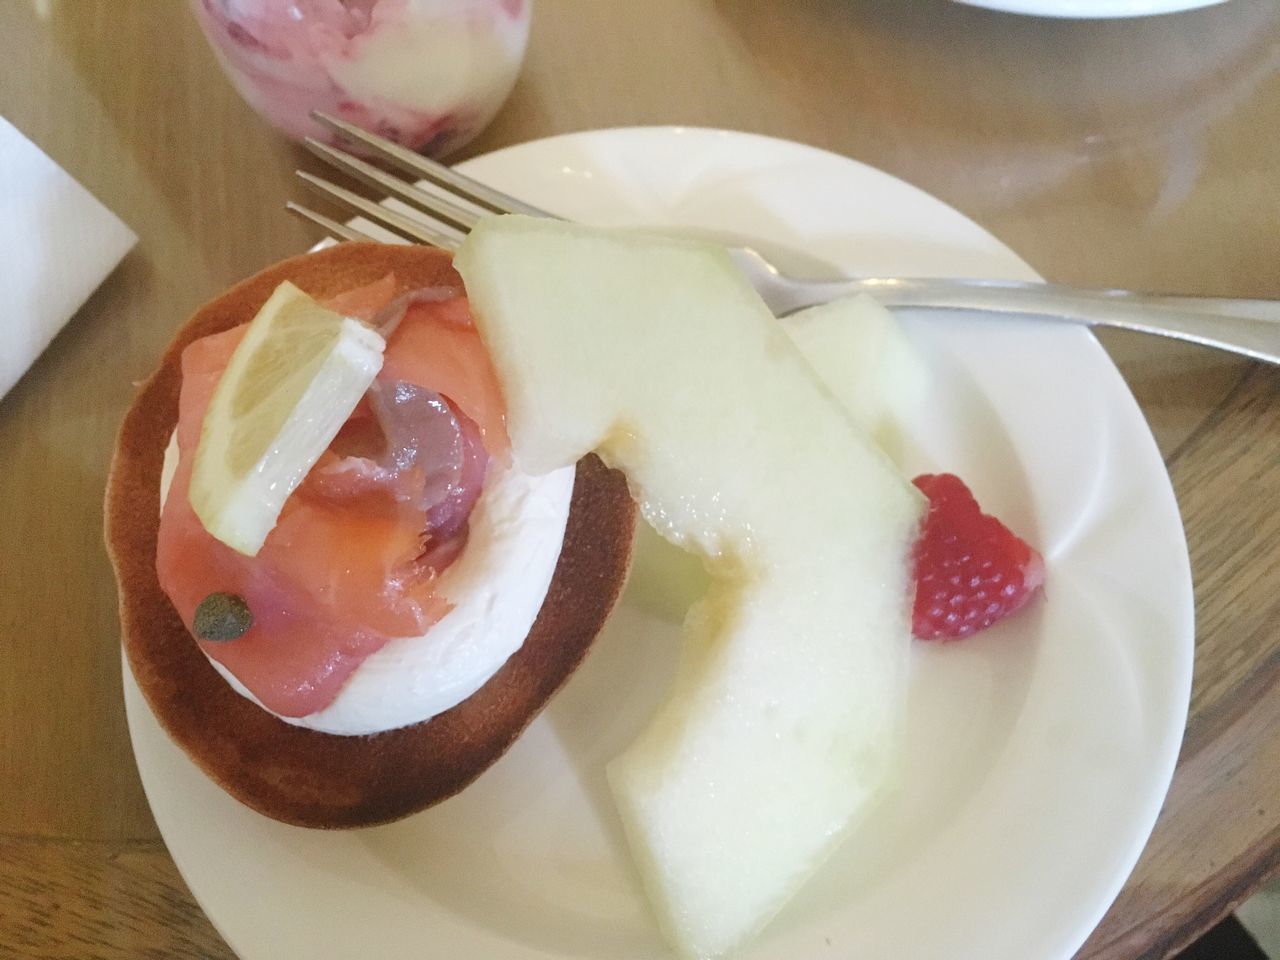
(57,243)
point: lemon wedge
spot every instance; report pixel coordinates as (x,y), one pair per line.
(292,382)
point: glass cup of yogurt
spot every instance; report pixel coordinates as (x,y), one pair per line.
(429,74)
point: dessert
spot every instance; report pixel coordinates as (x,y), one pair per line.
(861,354)
(425,73)
(782,725)
(353,695)
(330,613)
(971,570)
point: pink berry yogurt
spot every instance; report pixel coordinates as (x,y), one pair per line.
(427,73)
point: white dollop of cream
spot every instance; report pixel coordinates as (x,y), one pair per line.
(434,56)
(496,586)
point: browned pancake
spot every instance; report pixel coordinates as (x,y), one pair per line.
(300,776)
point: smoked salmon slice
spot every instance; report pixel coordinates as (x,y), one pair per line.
(348,567)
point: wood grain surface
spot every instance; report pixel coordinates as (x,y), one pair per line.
(1132,153)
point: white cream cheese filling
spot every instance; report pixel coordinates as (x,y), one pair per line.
(496,586)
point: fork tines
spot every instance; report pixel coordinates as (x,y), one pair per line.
(439,210)
(342,230)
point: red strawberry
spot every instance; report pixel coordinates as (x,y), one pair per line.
(971,570)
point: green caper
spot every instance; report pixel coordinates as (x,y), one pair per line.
(221,617)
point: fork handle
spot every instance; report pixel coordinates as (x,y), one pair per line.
(1250,328)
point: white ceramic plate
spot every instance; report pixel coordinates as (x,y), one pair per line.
(1091,9)
(1039,752)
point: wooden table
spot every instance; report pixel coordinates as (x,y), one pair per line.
(1137,154)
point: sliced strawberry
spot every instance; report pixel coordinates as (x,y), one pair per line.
(971,570)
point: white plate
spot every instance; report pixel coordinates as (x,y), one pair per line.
(1091,9)
(1039,753)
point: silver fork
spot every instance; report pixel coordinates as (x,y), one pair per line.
(442,214)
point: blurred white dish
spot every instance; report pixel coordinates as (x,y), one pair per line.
(1091,9)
